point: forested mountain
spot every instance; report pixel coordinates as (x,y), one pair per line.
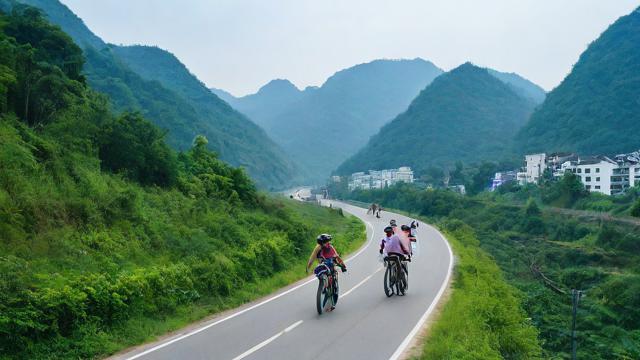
(596,109)
(521,85)
(165,92)
(108,236)
(321,127)
(465,115)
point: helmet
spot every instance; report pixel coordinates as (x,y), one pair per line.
(388,229)
(405,228)
(323,239)
(392,223)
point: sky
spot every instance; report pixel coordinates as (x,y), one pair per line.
(239,45)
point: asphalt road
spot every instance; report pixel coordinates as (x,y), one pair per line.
(365,325)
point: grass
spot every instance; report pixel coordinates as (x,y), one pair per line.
(483,319)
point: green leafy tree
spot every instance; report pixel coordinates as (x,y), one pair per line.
(136,148)
(566,192)
(532,222)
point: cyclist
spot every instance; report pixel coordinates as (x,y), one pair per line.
(394,225)
(391,244)
(414,226)
(324,250)
(405,237)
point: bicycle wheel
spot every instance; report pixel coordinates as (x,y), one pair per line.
(400,279)
(321,295)
(388,285)
(335,290)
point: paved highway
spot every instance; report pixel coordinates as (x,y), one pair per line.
(365,325)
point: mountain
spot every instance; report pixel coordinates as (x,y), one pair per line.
(522,86)
(465,115)
(596,108)
(224,95)
(270,101)
(155,83)
(321,127)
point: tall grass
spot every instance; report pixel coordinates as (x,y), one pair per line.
(483,318)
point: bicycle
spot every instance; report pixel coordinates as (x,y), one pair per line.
(327,294)
(396,276)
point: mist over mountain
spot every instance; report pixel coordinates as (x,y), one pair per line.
(522,86)
(155,83)
(321,127)
(596,109)
(465,115)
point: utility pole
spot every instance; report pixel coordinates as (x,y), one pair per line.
(575,298)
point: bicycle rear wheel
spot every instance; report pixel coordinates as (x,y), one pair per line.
(388,280)
(321,295)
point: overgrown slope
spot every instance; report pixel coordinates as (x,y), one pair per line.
(595,110)
(175,101)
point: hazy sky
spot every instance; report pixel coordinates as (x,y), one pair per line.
(238,45)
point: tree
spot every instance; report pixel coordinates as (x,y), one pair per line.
(566,192)
(532,222)
(136,148)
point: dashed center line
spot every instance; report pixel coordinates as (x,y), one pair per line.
(361,282)
(266,342)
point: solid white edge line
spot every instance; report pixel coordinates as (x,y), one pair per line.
(405,343)
(266,342)
(169,342)
(361,282)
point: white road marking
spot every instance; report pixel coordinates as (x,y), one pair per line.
(312,279)
(266,342)
(405,343)
(361,282)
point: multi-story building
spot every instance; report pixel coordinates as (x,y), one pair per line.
(598,173)
(379,179)
(535,166)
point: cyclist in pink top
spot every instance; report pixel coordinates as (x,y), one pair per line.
(391,244)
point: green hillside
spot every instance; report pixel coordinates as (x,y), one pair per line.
(465,115)
(321,127)
(522,86)
(163,90)
(108,237)
(596,109)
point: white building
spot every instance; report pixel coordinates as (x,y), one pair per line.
(535,166)
(379,179)
(598,173)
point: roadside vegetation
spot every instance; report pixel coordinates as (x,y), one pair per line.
(108,237)
(484,318)
(544,254)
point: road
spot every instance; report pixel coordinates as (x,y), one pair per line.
(365,325)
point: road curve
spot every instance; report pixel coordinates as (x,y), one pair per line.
(365,325)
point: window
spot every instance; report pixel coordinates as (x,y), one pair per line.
(587,170)
(579,170)
(598,179)
(587,179)
(597,170)
(588,187)
(597,187)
